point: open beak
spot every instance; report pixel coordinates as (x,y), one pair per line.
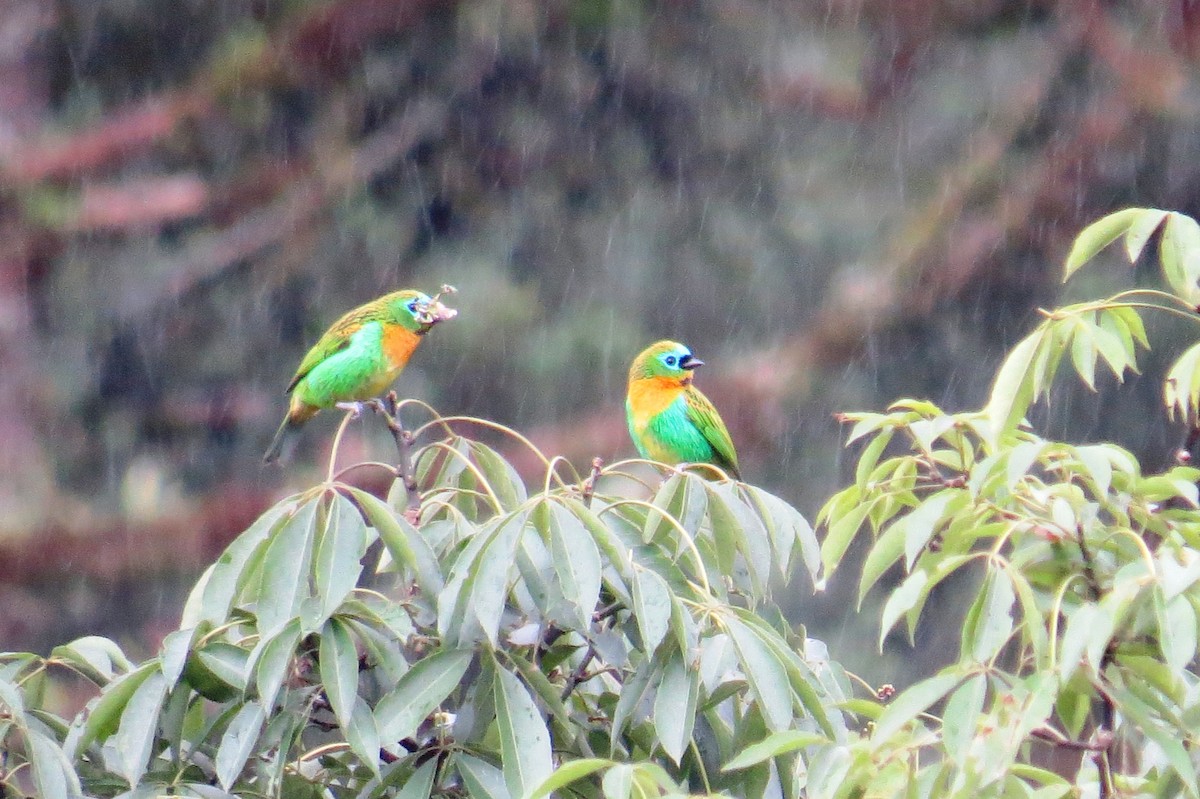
(690,362)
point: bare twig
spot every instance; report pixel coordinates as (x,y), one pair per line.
(589,485)
(388,407)
(578,675)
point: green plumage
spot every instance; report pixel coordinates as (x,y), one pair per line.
(358,357)
(669,419)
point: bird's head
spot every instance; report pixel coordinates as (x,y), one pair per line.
(417,311)
(668,359)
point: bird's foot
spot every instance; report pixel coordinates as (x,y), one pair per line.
(355,408)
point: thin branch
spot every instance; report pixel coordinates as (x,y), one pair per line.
(578,675)
(388,407)
(589,485)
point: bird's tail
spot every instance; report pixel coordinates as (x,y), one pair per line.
(285,438)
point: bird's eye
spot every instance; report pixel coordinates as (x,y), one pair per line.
(670,360)
(412,306)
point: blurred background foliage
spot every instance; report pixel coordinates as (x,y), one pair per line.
(835,203)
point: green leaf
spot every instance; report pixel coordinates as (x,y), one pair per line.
(989,621)
(911,702)
(1179,253)
(237,743)
(285,570)
(675,706)
(841,529)
(1176,629)
(419,784)
(921,523)
(425,686)
(1141,230)
(631,699)
(766,674)
(272,660)
(218,671)
(339,669)
(883,555)
(576,562)
(1088,629)
(1083,354)
(669,500)
(363,735)
(789,531)
(491,573)
(96,658)
(618,782)
(963,715)
(570,771)
(501,476)
(651,607)
(1013,389)
(212,597)
(341,543)
(1098,235)
(105,711)
(1181,388)
(901,601)
(524,739)
(1169,740)
(139,723)
(173,653)
(53,773)
(404,543)
(482,779)
(775,744)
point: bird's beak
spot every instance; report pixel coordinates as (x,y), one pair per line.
(690,362)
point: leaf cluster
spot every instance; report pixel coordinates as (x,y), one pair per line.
(601,636)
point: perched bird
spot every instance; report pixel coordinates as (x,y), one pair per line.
(669,419)
(358,357)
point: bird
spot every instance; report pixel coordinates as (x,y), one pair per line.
(669,419)
(358,357)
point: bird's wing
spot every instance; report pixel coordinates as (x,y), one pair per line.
(335,339)
(702,414)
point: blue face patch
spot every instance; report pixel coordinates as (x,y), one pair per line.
(416,304)
(674,358)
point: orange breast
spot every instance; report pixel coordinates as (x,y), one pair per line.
(398,346)
(651,395)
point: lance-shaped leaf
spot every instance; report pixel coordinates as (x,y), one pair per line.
(423,687)
(286,570)
(675,706)
(651,607)
(237,743)
(339,669)
(341,543)
(524,739)
(911,702)
(576,562)
(766,674)
(214,592)
(53,773)
(404,543)
(1103,232)
(482,779)
(489,594)
(139,723)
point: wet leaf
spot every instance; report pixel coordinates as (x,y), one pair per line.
(425,686)
(237,743)
(524,739)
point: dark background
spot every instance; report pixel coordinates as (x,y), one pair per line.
(835,203)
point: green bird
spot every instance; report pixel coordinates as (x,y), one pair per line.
(669,419)
(358,357)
